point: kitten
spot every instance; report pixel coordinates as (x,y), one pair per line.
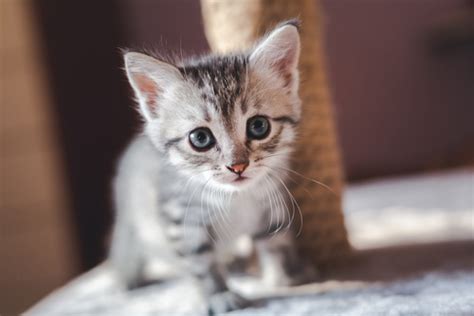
(209,167)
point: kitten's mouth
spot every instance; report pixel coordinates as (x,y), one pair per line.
(240,179)
(236,182)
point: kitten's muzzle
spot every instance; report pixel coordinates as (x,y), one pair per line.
(238,168)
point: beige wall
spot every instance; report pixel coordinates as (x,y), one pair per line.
(36,245)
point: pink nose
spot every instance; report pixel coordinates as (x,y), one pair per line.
(238,168)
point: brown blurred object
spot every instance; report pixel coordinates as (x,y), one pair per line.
(455,33)
(37,248)
(231,25)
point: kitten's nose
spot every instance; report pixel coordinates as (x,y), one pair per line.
(238,168)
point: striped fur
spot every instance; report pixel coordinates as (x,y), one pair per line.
(180,211)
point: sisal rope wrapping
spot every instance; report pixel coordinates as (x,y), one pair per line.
(235,25)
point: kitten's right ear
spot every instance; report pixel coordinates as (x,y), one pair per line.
(149,78)
(280,52)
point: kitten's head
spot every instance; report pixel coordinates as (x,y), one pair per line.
(226,120)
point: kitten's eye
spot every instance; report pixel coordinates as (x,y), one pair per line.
(201,139)
(258,127)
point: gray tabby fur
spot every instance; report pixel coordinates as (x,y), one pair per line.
(180,212)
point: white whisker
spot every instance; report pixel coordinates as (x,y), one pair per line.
(309,179)
(294,201)
(270,204)
(218,212)
(189,202)
(202,213)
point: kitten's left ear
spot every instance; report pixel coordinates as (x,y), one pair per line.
(279,51)
(149,78)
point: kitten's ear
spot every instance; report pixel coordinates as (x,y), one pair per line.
(280,51)
(149,78)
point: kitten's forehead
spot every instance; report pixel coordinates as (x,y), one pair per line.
(221,81)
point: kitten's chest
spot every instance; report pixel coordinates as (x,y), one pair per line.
(245,216)
(184,203)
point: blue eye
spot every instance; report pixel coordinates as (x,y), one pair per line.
(201,139)
(258,127)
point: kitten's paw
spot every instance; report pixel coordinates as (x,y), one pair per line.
(156,269)
(226,301)
(150,272)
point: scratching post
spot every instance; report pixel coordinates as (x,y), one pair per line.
(235,25)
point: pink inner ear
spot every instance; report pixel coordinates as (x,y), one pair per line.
(285,66)
(149,89)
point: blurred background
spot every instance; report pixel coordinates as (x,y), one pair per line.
(401,73)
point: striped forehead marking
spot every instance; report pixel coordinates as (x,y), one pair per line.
(222,81)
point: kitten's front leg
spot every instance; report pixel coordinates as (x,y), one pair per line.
(139,245)
(220,298)
(201,258)
(140,254)
(280,263)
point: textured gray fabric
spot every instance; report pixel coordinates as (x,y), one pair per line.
(378,213)
(431,294)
